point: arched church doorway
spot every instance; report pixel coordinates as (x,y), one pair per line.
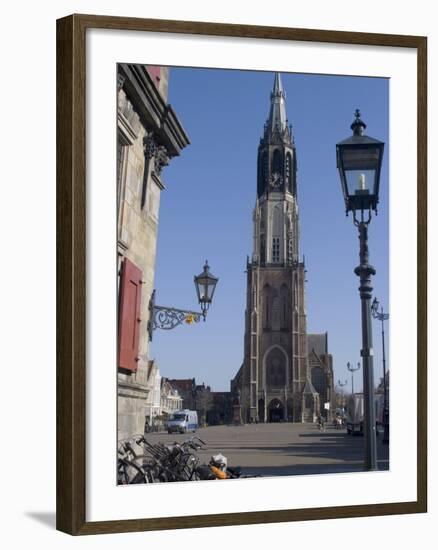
(275,411)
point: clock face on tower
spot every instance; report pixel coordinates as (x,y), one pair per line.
(276,180)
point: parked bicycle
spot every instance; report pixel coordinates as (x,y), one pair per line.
(140,461)
(157,462)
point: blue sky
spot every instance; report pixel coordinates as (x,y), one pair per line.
(206,213)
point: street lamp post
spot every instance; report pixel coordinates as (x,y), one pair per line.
(168,318)
(342,384)
(381,316)
(359,160)
(352,370)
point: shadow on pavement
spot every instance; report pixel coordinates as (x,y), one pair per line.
(309,469)
(315,454)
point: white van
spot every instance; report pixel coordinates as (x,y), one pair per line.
(355,413)
(182,421)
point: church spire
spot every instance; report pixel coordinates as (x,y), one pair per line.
(276,170)
(277,115)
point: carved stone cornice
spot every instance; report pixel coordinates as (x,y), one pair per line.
(155,114)
(157,153)
(152,149)
(161,159)
(149,145)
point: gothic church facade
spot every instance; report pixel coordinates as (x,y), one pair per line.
(275,381)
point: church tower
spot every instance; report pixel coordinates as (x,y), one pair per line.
(274,378)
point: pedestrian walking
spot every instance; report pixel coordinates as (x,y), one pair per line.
(320,423)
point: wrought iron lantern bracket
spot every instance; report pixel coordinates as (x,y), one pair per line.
(167,318)
(379,315)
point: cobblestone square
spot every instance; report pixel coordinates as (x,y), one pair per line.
(283,448)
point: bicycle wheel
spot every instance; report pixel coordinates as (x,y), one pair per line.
(141,469)
(127,471)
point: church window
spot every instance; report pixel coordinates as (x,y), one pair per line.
(284,300)
(275,369)
(275,249)
(277,232)
(262,249)
(265,168)
(276,313)
(262,172)
(277,220)
(276,161)
(318,380)
(266,307)
(289,172)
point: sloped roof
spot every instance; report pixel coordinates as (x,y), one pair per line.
(182,384)
(309,387)
(277,114)
(315,359)
(318,343)
(169,389)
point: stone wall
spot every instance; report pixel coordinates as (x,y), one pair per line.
(149,134)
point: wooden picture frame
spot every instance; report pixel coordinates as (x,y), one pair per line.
(71,273)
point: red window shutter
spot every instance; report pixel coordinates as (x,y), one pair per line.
(154,73)
(129,315)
